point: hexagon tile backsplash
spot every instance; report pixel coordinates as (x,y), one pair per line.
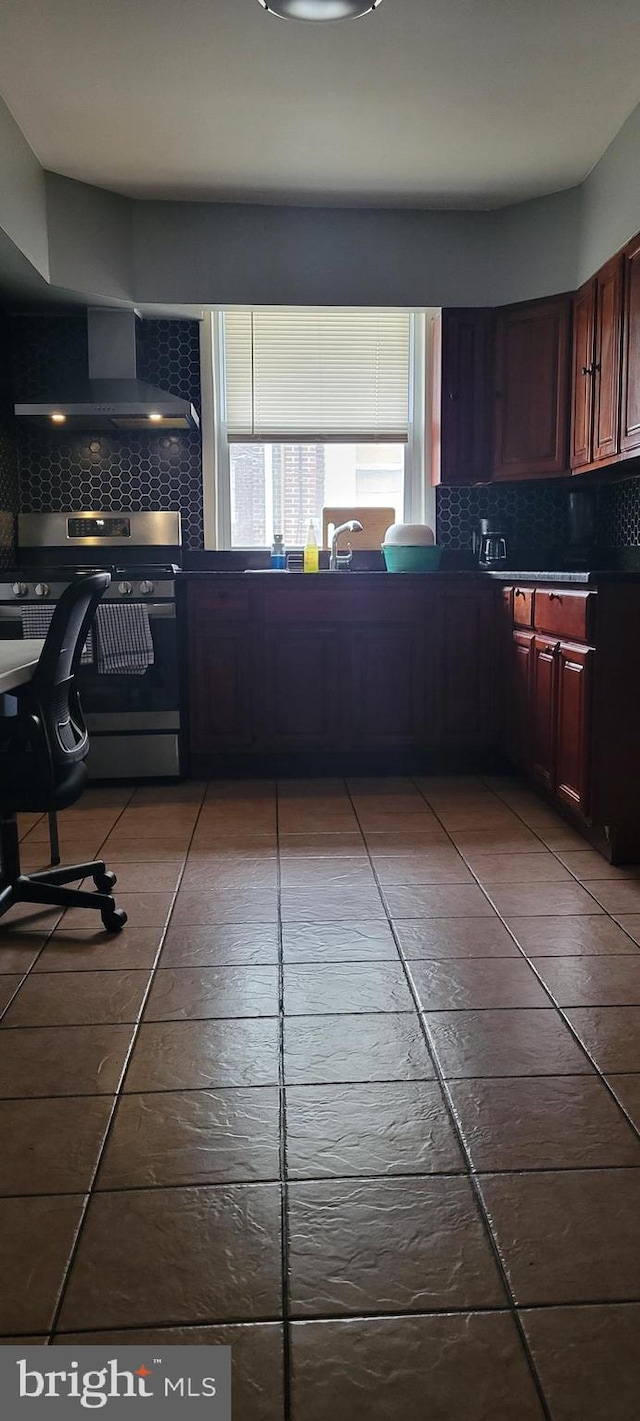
(164,471)
(118,471)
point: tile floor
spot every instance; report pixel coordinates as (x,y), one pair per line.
(357,1090)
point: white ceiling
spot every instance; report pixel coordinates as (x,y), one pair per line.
(465,103)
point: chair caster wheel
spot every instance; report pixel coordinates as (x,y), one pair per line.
(104,882)
(114,919)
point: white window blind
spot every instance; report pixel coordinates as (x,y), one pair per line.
(314,375)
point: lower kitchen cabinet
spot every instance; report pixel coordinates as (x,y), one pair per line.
(574,707)
(556,725)
(354,668)
(462,673)
(573,743)
(519,698)
(387,687)
(220,682)
(299,705)
(544,681)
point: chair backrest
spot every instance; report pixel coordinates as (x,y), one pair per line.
(51,696)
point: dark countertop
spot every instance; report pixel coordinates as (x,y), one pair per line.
(571,578)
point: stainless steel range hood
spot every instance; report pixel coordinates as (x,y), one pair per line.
(112,397)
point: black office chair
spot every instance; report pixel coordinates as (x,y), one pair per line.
(42,753)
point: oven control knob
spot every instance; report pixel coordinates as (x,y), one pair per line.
(146,587)
(125,588)
(20,589)
(41,589)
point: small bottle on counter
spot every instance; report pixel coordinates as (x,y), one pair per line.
(311,555)
(278,554)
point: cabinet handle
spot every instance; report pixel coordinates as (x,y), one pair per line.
(519,592)
(555,597)
(587,369)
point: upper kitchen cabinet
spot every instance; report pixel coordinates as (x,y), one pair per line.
(460,396)
(630,430)
(531,392)
(597,359)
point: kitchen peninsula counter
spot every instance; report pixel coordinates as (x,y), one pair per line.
(379,673)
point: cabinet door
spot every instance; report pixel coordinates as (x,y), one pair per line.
(543,710)
(575,673)
(219,687)
(387,687)
(302,688)
(606,378)
(532,390)
(630,435)
(461,404)
(582,375)
(520,699)
(463,679)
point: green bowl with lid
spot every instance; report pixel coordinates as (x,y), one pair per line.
(411,558)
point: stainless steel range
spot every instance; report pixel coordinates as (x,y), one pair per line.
(133,720)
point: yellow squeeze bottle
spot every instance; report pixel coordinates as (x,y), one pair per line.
(311,561)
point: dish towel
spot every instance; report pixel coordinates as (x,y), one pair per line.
(124,640)
(36,622)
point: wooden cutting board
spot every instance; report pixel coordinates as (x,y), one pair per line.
(375,522)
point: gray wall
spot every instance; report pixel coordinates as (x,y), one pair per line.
(93,245)
(285,255)
(90,239)
(23,211)
(610,200)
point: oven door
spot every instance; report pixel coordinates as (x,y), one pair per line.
(119,703)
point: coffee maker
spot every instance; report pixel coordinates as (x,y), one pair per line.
(581,550)
(490,543)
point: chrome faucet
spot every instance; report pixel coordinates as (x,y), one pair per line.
(341,562)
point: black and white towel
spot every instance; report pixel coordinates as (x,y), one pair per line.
(124,640)
(36,621)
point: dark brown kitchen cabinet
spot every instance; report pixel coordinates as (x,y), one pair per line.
(543,710)
(220,674)
(608,353)
(461,396)
(531,391)
(573,726)
(583,357)
(300,701)
(630,431)
(519,699)
(387,693)
(462,675)
(549,686)
(597,356)
(340,666)
(561,686)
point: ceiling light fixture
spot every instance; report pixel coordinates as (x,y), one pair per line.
(59,418)
(319,9)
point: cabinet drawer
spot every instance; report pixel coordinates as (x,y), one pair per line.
(523,606)
(223,601)
(345,604)
(565,614)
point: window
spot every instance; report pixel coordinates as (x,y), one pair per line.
(315,408)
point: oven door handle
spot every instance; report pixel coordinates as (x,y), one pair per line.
(160,611)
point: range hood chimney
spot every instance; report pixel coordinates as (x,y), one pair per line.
(112,397)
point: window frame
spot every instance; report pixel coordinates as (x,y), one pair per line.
(419,496)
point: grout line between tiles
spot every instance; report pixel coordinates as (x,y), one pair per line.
(50,934)
(562,1011)
(284,1181)
(466,1155)
(115,1102)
